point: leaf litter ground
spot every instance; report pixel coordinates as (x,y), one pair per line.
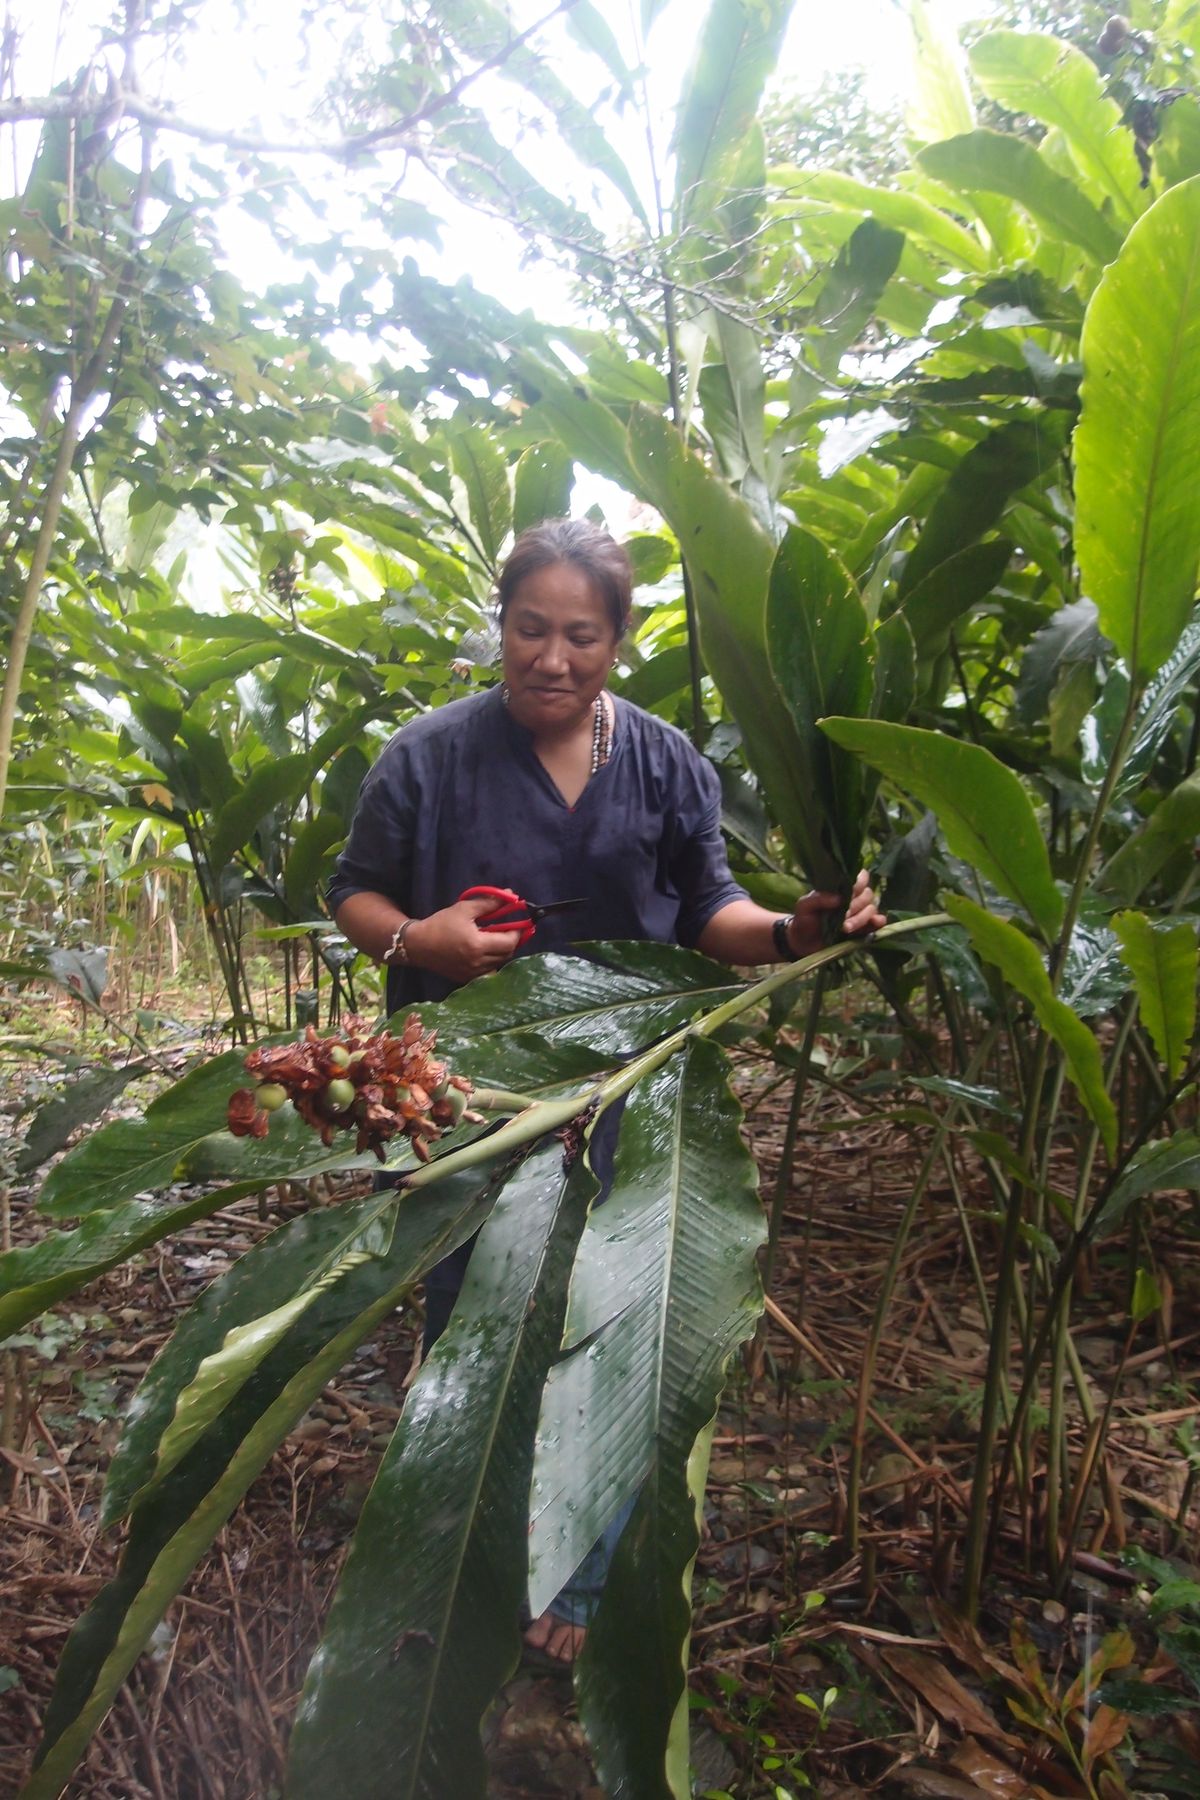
(811,1668)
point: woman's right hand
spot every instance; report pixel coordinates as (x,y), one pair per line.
(450,944)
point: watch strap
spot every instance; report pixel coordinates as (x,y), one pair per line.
(779,931)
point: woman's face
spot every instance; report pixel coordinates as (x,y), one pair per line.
(558,645)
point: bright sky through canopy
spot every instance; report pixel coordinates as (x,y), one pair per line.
(246,69)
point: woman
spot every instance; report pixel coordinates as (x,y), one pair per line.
(554,788)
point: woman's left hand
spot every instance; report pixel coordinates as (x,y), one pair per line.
(862,915)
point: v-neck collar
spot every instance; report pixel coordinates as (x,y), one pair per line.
(521,740)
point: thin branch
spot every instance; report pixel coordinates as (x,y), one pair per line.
(123,102)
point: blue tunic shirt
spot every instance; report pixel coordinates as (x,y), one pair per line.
(457,798)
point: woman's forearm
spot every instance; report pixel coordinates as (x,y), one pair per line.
(370,921)
(744,932)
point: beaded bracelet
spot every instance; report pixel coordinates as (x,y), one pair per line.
(396,948)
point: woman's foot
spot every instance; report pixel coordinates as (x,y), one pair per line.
(555,1639)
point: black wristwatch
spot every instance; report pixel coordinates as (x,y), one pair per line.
(783,949)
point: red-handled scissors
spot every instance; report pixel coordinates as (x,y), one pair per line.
(511,912)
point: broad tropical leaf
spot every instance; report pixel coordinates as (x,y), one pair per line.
(735,52)
(1017,959)
(1094,979)
(1167,690)
(1137,444)
(981,806)
(664,1287)
(480,466)
(424,1626)
(226,1370)
(543,482)
(905,212)
(176,1520)
(980,487)
(1158,1168)
(557,1017)
(821,655)
(1072,638)
(1051,80)
(78,1104)
(588,430)
(730,558)
(1163,961)
(950,589)
(991,162)
(34,1276)
(1174,823)
(265,1279)
(941,106)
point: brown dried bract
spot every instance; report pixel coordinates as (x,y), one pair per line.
(372,1083)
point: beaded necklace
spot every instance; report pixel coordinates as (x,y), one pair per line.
(601,730)
(601,734)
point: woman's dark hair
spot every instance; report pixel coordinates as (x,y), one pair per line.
(576,541)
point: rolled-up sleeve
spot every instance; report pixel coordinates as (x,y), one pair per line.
(700,863)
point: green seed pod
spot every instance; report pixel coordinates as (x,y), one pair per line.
(457,1102)
(338,1096)
(339,1056)
(271,1096)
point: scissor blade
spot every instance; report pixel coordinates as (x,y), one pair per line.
(554,906)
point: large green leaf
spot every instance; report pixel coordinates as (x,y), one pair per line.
(34,1276)
(851,292)
(941,105)
(365,1232)
(545,1017)
(1162,960)
(935,603)
(1052,81)
(1174,823)
(78,1104)
(821,655)
(266,1278)
(982,808)
(276,783)
(632,1677)
(1168,690)
(973,500)
(424,1626)
(588,430)
(177,1519)
(741,372)
(990,162)
(729,559)
(480,466)
(735,53)
(1017,959)
(664,1286)
(309,859)
(542,489)
(182,1135)
(905,212)
(1158,1168)
(1137,444)
(1070,639)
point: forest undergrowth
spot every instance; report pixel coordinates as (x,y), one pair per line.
(811,1668)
